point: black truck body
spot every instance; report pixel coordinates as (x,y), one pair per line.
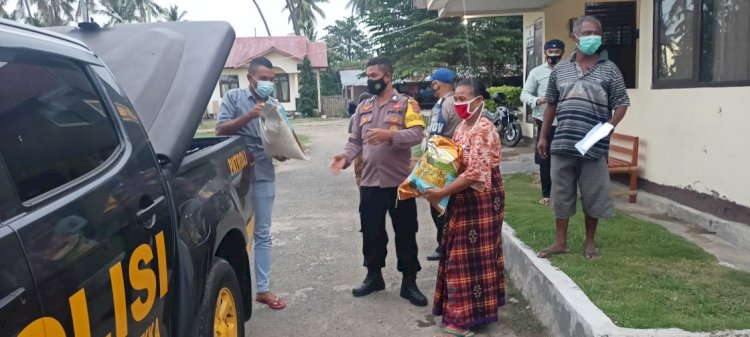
(114,221)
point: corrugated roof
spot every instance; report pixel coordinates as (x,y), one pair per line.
(352,77)
(295,47)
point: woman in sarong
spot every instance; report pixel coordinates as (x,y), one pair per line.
(471,277)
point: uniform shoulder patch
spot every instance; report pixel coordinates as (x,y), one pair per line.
(413,116)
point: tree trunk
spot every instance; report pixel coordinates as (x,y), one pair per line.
(293,15)
(28,8)
(262,17)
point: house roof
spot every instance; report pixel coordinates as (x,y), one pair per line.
(352,77)
(295,47)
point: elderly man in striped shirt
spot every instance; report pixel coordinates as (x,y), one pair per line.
(582,92)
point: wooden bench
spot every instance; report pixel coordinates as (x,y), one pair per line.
(623,159)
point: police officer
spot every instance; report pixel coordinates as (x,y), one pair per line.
(386,127)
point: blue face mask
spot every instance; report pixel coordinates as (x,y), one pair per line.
(264,89)
(589,44)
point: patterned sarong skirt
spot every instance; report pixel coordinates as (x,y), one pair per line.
(471,278)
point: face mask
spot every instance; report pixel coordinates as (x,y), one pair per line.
(376,87)
(263,89)
(554,59)
(589,44)
(462,109)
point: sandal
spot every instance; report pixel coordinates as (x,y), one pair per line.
(592,255)
(456,333)
(544,201)
(546,253)
(276,303)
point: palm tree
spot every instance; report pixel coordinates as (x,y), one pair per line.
(90,6)
(23,9)
(148,10)
(46,12)
(3,13)
(292,16)
(304,12)
(173,13)
(262,17)
(308,29)
(361,7)
(118,11)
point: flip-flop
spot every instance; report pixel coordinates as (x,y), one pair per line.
(546,253)
(592,255)
(456,333)
(276,303)
(544,201)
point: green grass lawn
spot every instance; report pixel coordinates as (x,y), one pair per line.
(647,278)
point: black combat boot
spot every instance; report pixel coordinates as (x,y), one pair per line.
(436,255)
(410,291)
(372,283)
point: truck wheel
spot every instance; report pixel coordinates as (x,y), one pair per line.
(221,313)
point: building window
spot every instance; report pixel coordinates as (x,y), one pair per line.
(619,34)
(281,88)
(228,82)
(702,43)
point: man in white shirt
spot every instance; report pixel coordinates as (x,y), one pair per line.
(533,95)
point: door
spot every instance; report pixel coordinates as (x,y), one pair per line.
(97,225)
(18,297)
(619,34)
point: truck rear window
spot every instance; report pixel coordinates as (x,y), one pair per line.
(53,127)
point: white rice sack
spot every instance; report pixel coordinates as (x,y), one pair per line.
(279,139)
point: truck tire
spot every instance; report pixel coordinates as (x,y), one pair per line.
(221,312)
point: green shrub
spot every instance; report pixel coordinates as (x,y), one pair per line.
(512,96)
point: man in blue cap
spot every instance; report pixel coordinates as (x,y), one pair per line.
(443,122)
(533,95)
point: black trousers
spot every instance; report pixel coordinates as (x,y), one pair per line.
(375,202)
(439,224)
(544,164)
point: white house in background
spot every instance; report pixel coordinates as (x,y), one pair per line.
(285,52)
(688,85)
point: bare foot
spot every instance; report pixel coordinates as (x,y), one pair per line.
(552,250)
(590,252)
(455,331)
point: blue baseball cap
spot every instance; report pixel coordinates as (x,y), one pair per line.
(444,75)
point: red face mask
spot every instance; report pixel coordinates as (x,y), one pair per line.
(462,109)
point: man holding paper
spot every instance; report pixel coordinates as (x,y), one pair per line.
(582,93)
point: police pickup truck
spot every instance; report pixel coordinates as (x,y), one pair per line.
(114,220)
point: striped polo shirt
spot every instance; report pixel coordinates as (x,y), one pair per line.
(584,101)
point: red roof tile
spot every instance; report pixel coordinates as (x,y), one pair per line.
(296,47)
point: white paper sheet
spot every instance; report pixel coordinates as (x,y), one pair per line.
(596,134)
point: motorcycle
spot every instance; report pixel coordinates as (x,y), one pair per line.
(505,120)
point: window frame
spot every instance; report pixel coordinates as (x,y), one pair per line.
(114,158)
(18,206)
(288,87)
(695,82)
(222,82)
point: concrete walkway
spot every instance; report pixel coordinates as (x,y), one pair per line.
(317,259)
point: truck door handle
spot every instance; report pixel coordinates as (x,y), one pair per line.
(147,214)
(12,297)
